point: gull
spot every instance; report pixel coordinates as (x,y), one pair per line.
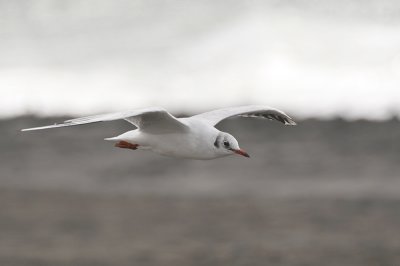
(192,137)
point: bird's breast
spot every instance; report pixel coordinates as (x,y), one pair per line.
(182,145)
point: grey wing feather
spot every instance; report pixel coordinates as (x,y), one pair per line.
(153,120)
(261,111)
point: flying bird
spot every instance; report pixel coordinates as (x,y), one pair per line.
(192,137)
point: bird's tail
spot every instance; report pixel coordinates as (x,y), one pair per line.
(127,136)
(113,139)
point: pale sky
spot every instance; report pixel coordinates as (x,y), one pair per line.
(311,61)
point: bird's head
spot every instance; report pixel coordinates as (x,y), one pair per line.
(226,144)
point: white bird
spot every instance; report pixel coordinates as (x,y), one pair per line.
(192,137)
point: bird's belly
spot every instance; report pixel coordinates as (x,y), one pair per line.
(180,146)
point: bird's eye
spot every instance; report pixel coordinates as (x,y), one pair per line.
(226,143)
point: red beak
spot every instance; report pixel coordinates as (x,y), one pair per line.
(241,152)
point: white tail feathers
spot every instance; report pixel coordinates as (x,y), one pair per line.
(113,139)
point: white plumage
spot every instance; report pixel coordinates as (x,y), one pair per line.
(192,137)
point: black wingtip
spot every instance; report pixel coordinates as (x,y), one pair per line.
(290,123)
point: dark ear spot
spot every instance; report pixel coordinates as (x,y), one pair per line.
(216,144)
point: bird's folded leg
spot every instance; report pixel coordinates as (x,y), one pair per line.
(126,145)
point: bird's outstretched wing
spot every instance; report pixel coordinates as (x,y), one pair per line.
(152,120)
(262,111)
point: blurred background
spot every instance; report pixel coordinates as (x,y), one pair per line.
(324,192)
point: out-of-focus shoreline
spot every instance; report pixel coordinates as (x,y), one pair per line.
(320,193)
